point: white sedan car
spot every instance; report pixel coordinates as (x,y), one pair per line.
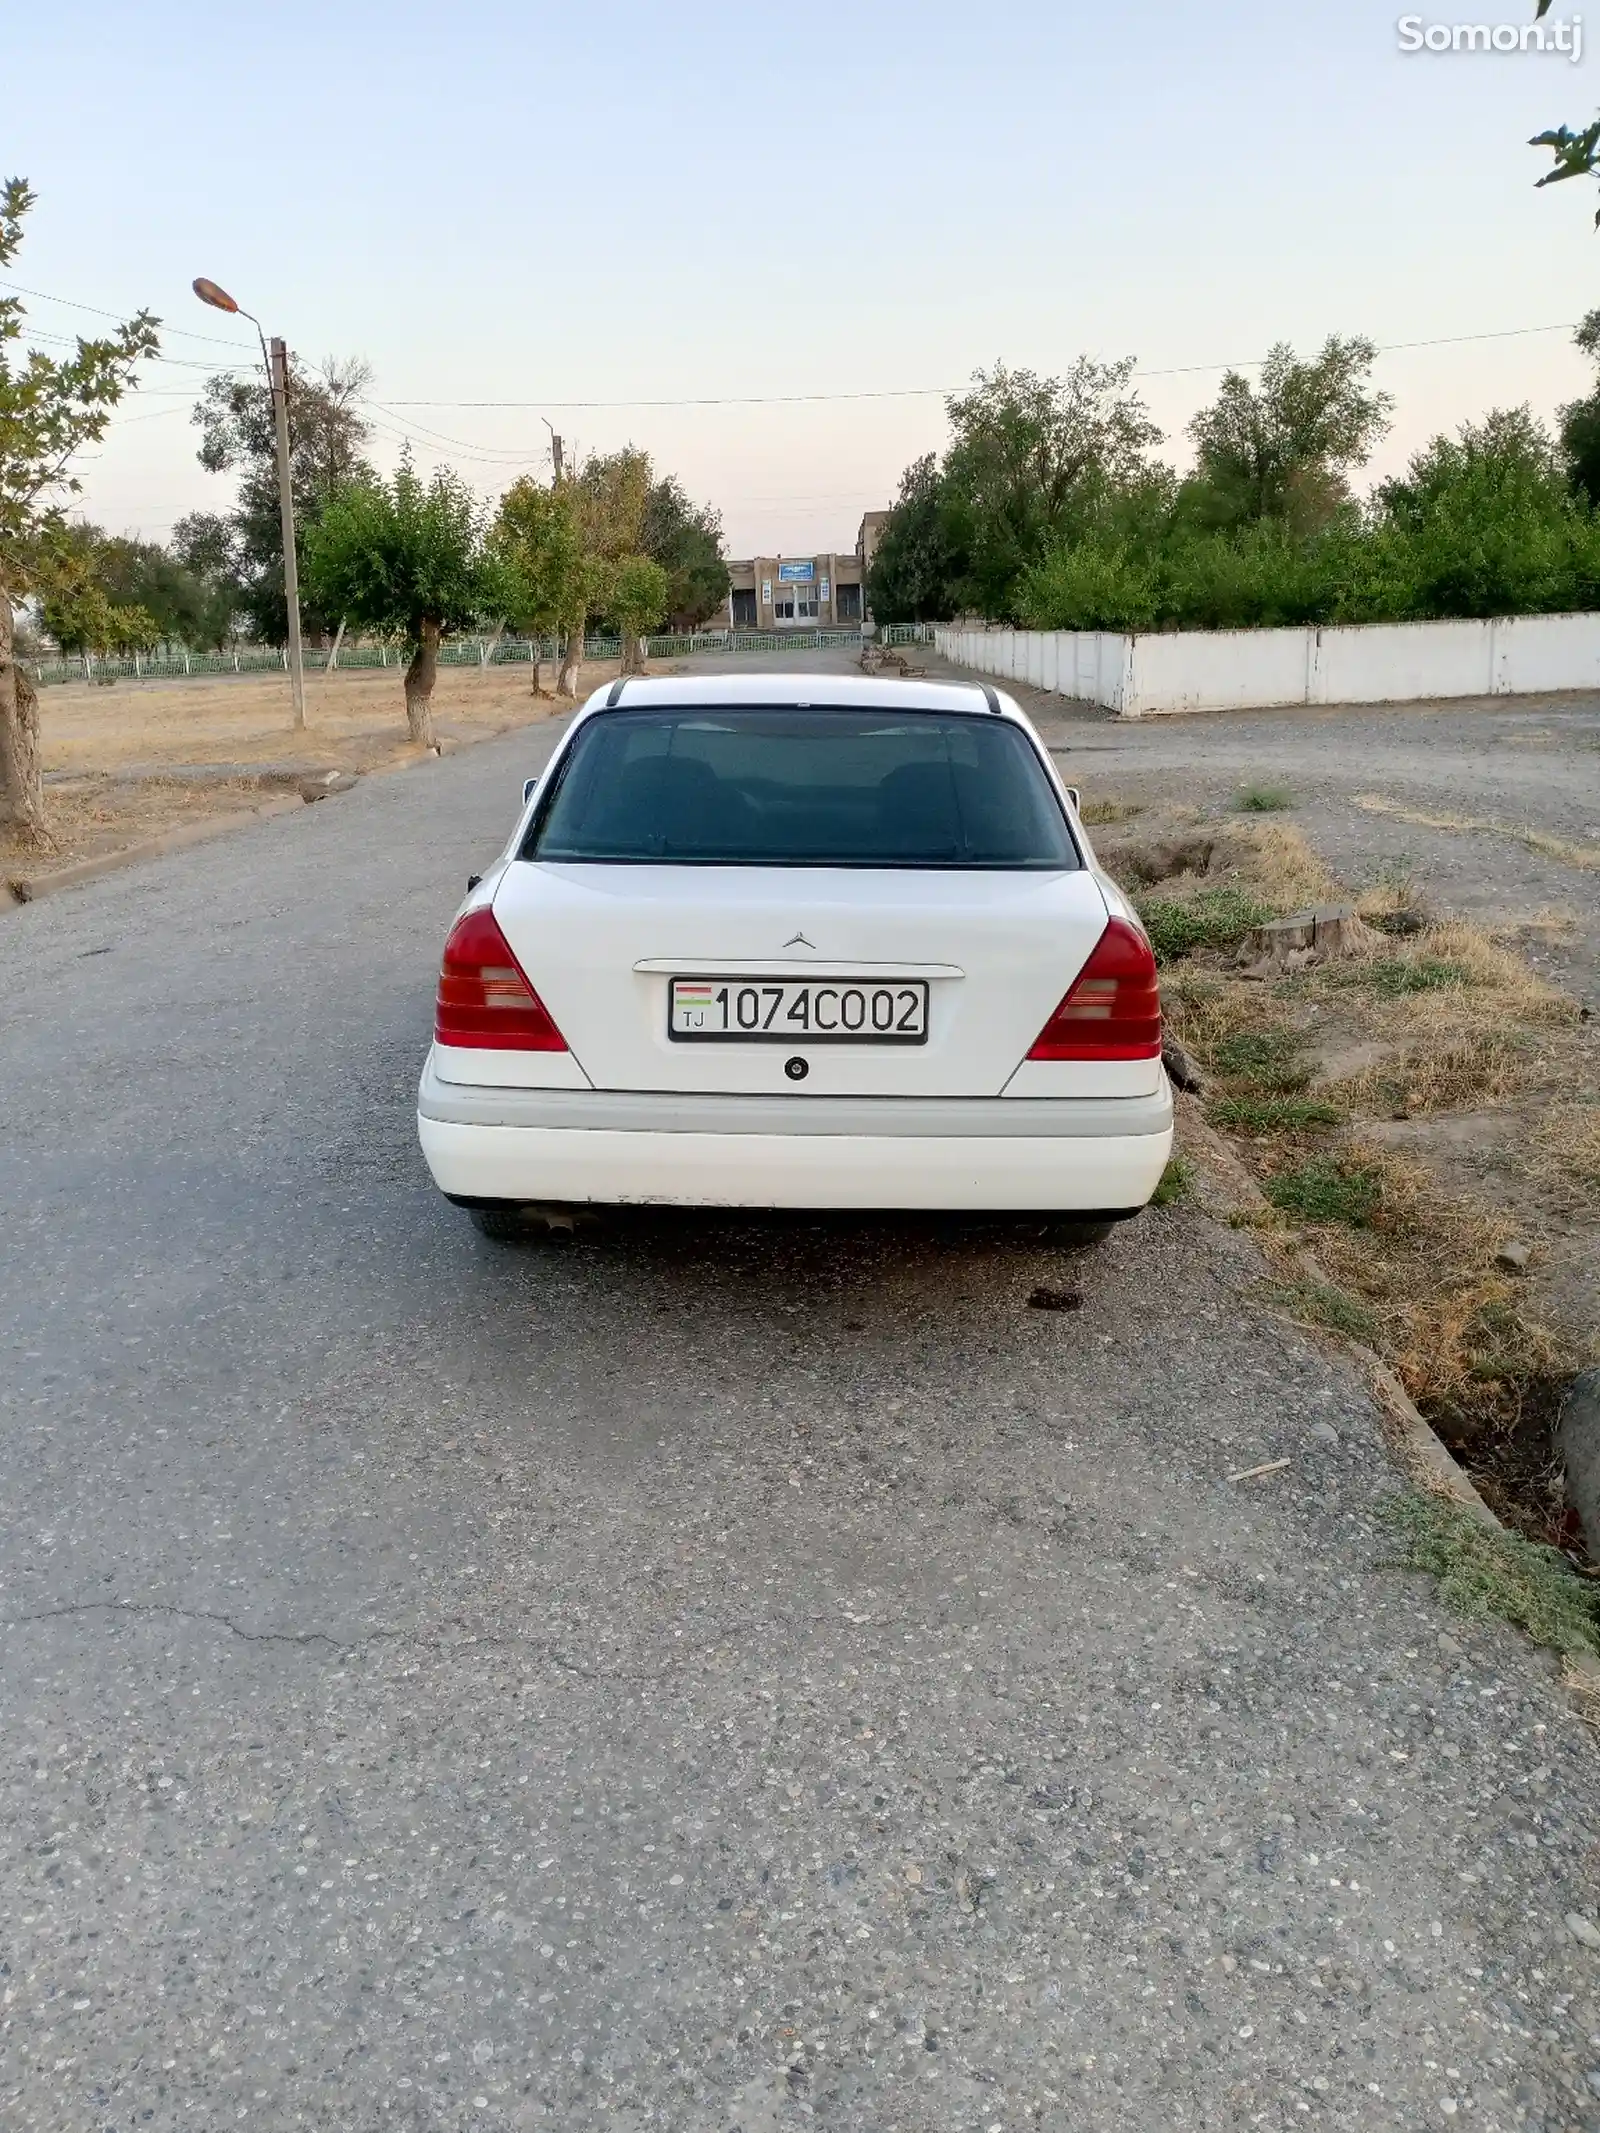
(800,942)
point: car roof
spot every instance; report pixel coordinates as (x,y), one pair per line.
(845,691)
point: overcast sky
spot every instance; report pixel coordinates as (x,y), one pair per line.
(622,202)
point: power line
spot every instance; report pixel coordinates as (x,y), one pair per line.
(64,340)
(899,392)
(413,432)
(930,392)
(1448,340)
(98,311)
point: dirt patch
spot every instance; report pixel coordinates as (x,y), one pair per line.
(127,762)
(1410,1108)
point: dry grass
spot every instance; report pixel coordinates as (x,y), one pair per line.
(1552,922)
(1097,814)
(1280,865)
(1566,1153)
(1459,1021)
(1586,856)
(246,720)
(94,816)
(356,721)
(1582,1684)
(1454,1326)
(1516,985)
(1395,895)
(1474,1024)
(1450,1073)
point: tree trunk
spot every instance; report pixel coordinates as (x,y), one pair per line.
(420,677)
(632,653)
(21,778)
(571,660)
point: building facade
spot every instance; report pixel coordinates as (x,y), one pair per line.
(808,592)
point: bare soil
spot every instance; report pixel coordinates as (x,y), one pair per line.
(123,763)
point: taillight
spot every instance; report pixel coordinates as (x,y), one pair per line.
(1114,1009)
(484,999)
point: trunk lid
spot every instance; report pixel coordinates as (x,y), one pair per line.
(1017,940)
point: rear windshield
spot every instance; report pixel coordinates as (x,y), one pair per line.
(782,787)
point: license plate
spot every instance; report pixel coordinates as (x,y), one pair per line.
(784,1011)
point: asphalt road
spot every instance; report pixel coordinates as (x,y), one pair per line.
(711,1676)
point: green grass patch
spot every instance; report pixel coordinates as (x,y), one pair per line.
(1396,976)
(1275,1114)
(1483,1573)
(1328,1189)
(1263,800)
(1175,1183)
(1267,1059)
(1319,1303)
(1216,918)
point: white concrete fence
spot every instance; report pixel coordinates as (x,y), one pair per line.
(1237,670)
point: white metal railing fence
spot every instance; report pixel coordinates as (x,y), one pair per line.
(173,661)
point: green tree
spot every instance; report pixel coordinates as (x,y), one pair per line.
(1485,523)
(570,541)
(916,566)
(50,408)
(1577,154)
(185,606)
(205,544)
(407,559)
(78,607)
(181,604)
(1580,421)
(687,542)
(1281,449)
(537,536)
(638,601)
(1029,459)
(612,492)
(607,498)
(327,441)
(537,539)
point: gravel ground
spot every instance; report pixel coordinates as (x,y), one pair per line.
(1530,765)
(710,1676)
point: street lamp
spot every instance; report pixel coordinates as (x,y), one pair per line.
(277,362)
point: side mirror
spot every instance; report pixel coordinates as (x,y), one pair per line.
(1073,795)
(527,789)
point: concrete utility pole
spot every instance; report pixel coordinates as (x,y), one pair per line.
(277,362)
(291,568)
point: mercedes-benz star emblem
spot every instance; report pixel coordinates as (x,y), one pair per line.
(798,940)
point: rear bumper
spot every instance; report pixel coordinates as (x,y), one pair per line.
(621,1149)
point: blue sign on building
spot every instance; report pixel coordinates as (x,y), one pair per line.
(796,573)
